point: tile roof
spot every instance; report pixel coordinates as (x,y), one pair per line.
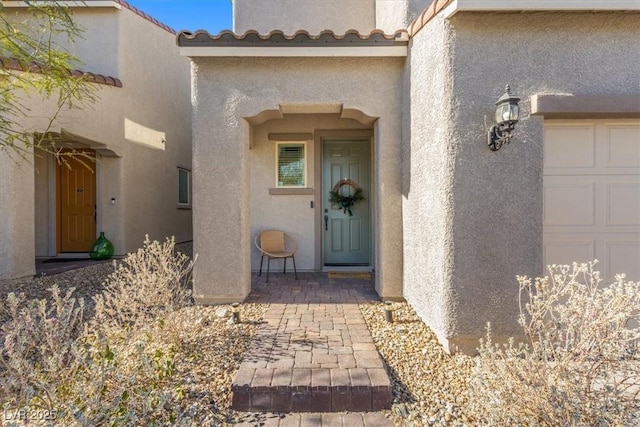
(145,16)
(33,67)
(300,38)
(429,13)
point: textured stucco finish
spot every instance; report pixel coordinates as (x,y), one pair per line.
(244,88)
(16,218)
(292,213)
(485,207)
(428,168)
(311,15)
(156,96)
(392,15)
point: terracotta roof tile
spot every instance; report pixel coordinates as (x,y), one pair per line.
(146,16)
(34,67)
(434,8)
(300,38)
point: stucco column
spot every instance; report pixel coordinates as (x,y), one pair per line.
(388,208)
(222,272)
(17,250)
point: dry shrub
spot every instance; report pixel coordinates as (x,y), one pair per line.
(146,285)
(580,363)
(116,369)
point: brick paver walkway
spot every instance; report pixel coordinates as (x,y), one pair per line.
(314,353)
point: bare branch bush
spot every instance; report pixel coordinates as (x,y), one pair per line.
(116,369)
(146,285)
(579,365)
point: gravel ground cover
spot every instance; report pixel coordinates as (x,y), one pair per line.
(429,386)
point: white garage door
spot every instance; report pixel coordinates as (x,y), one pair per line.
(592,194)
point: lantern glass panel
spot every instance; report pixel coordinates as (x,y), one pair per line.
(502,113)
(514,112)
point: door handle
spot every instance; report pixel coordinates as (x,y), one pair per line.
(326,222)
(95,213)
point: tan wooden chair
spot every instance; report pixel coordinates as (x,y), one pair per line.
(279,245)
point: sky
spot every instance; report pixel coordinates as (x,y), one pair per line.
(211,15)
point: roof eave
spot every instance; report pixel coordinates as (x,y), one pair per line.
(294,51)
(456,6)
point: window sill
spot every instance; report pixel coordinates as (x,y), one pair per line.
(290,191)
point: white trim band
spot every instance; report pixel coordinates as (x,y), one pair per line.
(311,51)
(67,3)
(537,5)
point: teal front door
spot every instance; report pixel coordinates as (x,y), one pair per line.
(346,235)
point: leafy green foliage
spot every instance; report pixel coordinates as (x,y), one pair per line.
(37,68)
(346,202)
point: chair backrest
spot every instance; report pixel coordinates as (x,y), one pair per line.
(272,241)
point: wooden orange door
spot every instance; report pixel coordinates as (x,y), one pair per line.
(77,203)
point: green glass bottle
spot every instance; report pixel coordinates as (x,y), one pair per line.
(102,248)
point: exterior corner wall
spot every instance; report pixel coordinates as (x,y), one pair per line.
(156,129)
(497,196)
(17,216)
(393,15)
(388,230)
(221,188)
(310,15)
(428,163)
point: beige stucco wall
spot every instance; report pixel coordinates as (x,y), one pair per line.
(428,167)
(244,87)
(311,15)
(154,103)
(392,15)
(158,98)
(494,199)
(292,213)
(16,218)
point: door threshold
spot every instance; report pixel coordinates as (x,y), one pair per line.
(347,268)
(79,255)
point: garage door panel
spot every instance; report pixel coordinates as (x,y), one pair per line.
(592,194)
(567,203)
(567,249)
(623,256)
(569,146)
(623,150)
(622,203)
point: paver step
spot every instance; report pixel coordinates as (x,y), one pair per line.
(311,390)
(313,357)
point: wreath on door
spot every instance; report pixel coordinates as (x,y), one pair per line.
(345,202)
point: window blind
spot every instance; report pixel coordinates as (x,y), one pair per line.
(291,165)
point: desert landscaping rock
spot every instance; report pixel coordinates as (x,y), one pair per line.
(429,386)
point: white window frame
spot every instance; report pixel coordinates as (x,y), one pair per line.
(182,205)
(304,164)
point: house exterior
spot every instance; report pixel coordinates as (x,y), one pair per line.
(139,130)
(305,97)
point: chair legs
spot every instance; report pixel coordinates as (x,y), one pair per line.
(295,272)
(268,265)
(284,269)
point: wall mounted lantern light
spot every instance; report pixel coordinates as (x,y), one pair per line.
(507,113)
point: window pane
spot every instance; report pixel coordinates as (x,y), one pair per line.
(291,165)
(183,186)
